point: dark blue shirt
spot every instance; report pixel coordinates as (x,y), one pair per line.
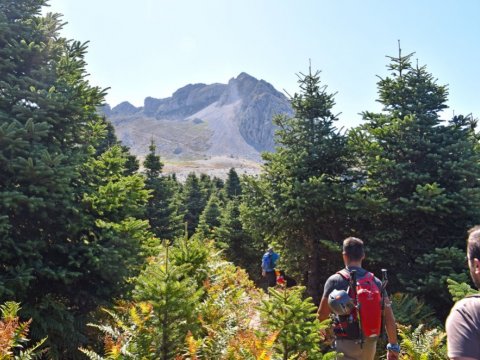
(269,260)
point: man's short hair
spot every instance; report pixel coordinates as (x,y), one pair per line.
(473,243)
(353,248)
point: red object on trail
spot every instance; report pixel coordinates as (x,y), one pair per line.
(280,278)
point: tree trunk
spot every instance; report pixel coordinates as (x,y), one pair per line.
(314,285)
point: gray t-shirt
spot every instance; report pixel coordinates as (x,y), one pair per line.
(463,329)
(337,282)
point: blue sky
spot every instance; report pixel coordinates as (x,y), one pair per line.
(153,47)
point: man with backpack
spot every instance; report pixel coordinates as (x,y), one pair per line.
(269,261)
(360,308)
(463,323)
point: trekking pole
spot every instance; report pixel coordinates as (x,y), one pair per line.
(383,293)
(353,277)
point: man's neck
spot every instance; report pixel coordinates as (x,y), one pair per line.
(354,264)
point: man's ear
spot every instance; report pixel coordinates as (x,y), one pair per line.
(476,266)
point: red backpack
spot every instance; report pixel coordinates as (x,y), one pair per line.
(367,315)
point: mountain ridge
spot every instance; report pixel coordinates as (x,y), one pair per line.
(200,120)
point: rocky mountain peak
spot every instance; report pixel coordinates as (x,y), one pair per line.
(124,108)
(233,119)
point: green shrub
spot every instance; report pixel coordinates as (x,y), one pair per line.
(410,310)
(422,344)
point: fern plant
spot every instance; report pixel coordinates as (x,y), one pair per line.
(410,310)
(227,312)
(422,344)
(13,335)
(249,345)
(125,332)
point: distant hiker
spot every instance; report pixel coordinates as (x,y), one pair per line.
(269,261)
(463,323)
(360,308)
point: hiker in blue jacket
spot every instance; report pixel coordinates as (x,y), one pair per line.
(269,260)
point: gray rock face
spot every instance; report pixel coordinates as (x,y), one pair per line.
(124,108)
(184,102)
(233,119)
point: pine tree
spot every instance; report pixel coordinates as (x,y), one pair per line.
(174,298)
(303,191)
(240,247)
(420,181)
(110,139)
(422,343)
(193,201)
(233,188)
(287,313)
(437,266)
(210,218)
(459,290)
(164,313)
(119,233)
(161,210)
(69,234)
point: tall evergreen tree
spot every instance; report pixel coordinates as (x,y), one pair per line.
(193,201)
(240,247)
(210,217)
(233,188)
(117,237)
(132,165)
(60,221)
(161,209)
(302,193)
(420,189)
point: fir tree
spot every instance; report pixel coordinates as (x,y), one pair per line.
(239,245)
(132,165)
(210,217)
(174,298)
(69,234)
(161,209)
(421,177)
(302,193)
(459,290)
(294,319)
(193,201)
(233,187)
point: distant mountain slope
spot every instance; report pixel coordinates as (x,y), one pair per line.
(200,121)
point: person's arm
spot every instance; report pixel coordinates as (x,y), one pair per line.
(264,265)
(390,324)
(323,310)
(323,313)
(391,328)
